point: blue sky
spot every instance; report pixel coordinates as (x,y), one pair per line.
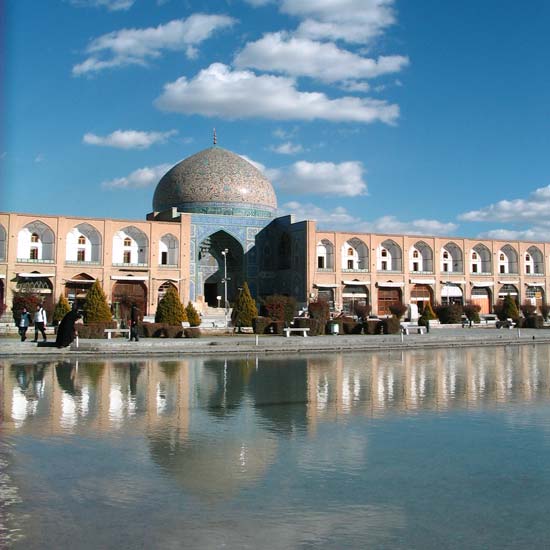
(368,115)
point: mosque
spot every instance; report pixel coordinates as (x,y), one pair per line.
(214,225)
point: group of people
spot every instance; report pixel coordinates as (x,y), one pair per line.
(66,330)
(40,320)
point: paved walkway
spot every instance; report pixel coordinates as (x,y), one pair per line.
(245,343)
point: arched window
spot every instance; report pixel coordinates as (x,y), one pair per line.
(534,262)
(82,239)
(127,241)
(325,255)
(35,238)
(355,255)
(390,256)
(168,250)
(130,246)
(350,251)
(451,259)
(480,259)
(36,242)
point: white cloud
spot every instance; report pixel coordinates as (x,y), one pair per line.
(142,177)
(138,46)
(534,208)
(353,21)
(128,139)
(288,148)
(111,5)
(219,91)
(322,178)
(340,219)
(40,158)
(279,52)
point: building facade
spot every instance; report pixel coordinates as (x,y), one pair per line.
(214,226)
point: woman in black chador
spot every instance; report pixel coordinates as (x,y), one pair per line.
(134,319)
(65,330)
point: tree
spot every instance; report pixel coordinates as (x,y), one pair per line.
(244,309)
(510,308)
(61,309)
(170,310)
(192,315)
(96,309)
(427,314)
(472,312)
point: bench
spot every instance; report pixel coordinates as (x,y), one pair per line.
(407,329)
(509,323)
(110,331)
(288,330)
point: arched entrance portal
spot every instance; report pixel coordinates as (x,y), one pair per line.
(388,296)
(482,297)
(421,295)
(220,254)
(126,293)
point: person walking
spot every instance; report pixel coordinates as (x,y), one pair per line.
(134,318)
(40,321)
(24,324)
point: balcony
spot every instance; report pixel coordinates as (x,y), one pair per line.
(534,274)
(482,274)
(421,272)
(325,269)
(390,271)
(355,270)
(31,261)
(130,265)
(168,266)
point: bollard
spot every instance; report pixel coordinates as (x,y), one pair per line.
(256,339)
(401,336)
(519,333)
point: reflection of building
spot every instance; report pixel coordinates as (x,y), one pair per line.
(214,226)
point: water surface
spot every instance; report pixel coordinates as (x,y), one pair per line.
(417,449)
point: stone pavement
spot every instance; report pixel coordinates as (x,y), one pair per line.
(249,343)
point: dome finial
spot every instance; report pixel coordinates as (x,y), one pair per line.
(215,138)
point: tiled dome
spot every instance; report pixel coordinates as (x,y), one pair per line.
(215,181)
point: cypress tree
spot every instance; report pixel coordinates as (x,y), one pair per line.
(170,310)
(96,308)
(510,308)
(61,309)
(244,309)
(192,315)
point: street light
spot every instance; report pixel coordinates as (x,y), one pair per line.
(224,254)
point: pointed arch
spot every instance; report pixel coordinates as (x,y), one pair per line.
(168,250)
(36,243)
(389,256)
(325,255)
(507,258)
(84,244)
(421,257)
(534,261)
(480,259)
(130,246)
(452,258)
(355,255)
(3,243)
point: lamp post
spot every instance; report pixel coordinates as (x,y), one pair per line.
(224,254)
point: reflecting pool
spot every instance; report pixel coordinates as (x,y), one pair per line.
(416,449)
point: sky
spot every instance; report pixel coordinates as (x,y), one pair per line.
(381,116)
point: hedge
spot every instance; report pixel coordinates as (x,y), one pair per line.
(161,330)
(192,332)
(93,330)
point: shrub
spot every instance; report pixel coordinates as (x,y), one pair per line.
(61,309)
(319,310)
(170,310)
(351,326)
(534,321)
(276,327)
(192,315)
(245,309)
(161,330)
(449,313)
(506,309)
(96,309)
(261,325)
(193,332)
(427,315)
(94,330)
(472,312)
(316,327)
(528,310)
(370,326)
(391,325)
(21,300)
(362,311)
(398,310)
(545,310)
(278,307)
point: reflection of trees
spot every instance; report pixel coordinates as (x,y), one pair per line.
(226,386)
(29,378)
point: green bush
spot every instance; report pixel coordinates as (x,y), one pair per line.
(507,309)
(261,325)
(192,315)
(449,313)
(427,315)
(245,309)
(96,309)
(170,310)
(61,309)
(94,330)
(193,332)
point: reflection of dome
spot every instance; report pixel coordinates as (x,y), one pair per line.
(216,181)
